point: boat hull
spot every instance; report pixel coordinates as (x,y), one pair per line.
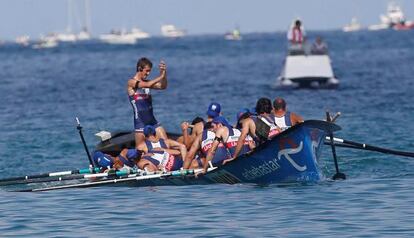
(290,157)
(307,71)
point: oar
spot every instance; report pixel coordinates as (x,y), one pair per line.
(68,177)
(338,174)
(362,146)
(79,127)
(133,177)
(46,175)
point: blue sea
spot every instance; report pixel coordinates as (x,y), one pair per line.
(42,91)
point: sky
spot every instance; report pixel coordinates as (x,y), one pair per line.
(35,17)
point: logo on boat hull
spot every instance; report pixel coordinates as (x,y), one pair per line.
(291,151)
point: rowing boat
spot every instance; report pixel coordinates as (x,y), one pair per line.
(291,156)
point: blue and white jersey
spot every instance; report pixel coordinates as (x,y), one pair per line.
(152,145)
(231,143)
(207,140)
(283,122)
(141,102)
(164,160)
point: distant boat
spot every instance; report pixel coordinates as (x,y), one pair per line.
(171,31)
(119,37)
(233,35)
(304,69)
(45,42)
(139,34)
(394,19)
(23,40)
(353,26)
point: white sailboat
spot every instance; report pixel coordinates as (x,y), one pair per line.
(171,31)
(85,34)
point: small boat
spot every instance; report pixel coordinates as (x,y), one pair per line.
(171,31)
(393,19)
(45,43)
(233,35)
(118,37)
(302,70)
(353,26)
(23,40)
(139,34)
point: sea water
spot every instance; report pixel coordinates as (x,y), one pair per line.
(42,91)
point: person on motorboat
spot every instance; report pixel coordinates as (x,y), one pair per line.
(296,36)
(138,89)
(160,154)
(197,125)
(283,118)
(226,139)
(127,159)
(319,47)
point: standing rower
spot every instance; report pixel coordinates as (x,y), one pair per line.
(138,89)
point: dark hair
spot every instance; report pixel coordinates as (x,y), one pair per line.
(297,23)
(242,117)
(279,103)
(197,120)
(263,105)
(208,125)
(142,63)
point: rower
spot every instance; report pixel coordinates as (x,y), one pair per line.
(197,125)
(247,128)
(196,157)
(264,110)
(160,154)
(283,118)
(226,138)
(127,159)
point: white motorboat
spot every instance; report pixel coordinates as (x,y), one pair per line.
(303,70)
(171,31)
(394,18)
(119,38)
(139,34)
(353,26)
(45,43)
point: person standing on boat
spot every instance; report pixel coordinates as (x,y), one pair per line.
(283,118)
(160,154)
(296,36)
(138,89)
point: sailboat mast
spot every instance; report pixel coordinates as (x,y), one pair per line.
(87,17)
(69,17)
